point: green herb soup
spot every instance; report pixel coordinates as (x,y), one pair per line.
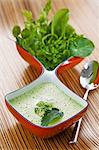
(45,92)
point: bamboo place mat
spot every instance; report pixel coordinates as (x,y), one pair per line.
(16,73)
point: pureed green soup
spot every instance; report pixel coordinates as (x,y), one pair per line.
(46,92)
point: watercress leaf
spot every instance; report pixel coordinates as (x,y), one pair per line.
(51,117)
(43,20)
(49,38)
(25,33)
(27,15)
(28,42)
(69,31)
(47,7)
(59,22)
(16,31)
(28,19)
(81,46)
(66,53)
(49,28)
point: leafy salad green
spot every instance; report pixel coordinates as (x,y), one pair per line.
(51,42)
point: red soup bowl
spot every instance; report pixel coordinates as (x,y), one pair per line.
(41,131)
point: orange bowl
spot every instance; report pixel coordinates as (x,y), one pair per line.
(45,132)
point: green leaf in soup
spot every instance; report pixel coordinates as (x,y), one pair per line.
(43,104)
(39,111)
(59,22)
(51,117)
(42,107)
(81,46)
(16,31)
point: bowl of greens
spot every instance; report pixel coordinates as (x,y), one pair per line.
(50,42)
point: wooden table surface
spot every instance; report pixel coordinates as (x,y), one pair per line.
(16,73)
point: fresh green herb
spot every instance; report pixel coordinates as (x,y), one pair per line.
(49,114)
(69,31)
(51,42)
(59,22)
(51,117)
(43,104)
(42,107)
(16,31)
(80,46)
(39,111)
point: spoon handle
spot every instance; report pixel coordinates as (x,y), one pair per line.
(86,94)
(77,125)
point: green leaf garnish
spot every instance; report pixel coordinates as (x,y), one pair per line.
(49,114)
(51,117)
(42,107)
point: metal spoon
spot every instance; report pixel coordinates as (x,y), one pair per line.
(86,76)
